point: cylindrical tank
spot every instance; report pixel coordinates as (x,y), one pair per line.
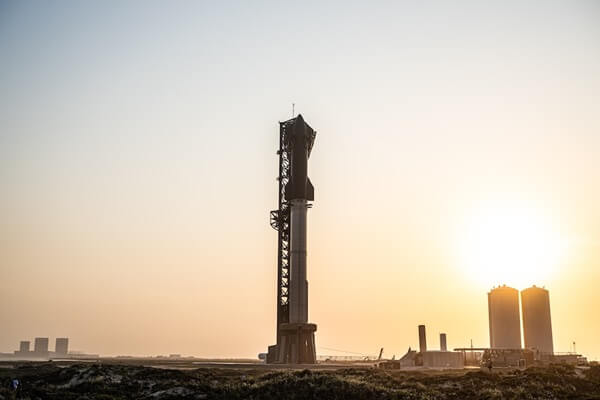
(505,321)
(422,339)
(443,345)
(537,324)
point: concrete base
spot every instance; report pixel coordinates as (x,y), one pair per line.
(297,345)
(272,354)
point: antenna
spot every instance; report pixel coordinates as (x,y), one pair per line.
(293,109)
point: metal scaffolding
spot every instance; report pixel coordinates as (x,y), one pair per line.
(280,221)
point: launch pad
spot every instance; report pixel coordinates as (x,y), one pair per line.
(295,335)
(297,344)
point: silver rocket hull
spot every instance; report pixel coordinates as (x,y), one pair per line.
(298,336)
(298,281)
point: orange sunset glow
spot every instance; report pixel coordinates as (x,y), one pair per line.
(457,149)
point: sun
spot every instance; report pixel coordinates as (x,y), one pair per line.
(516,246)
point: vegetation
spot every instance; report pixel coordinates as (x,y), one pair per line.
(110,381)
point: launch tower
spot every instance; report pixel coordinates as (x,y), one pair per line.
(295,335)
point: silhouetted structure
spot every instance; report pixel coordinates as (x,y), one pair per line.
(443,359)
(505,324)
(41,351)
(432,359)
(422,339)
(295,336)
(40,347)
(443,345)
(521,358)
(410,359)
(24,347)
(537,324)
(503,357)
(62,346)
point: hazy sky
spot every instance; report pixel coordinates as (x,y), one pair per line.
(458,148)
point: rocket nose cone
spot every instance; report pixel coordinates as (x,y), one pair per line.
(299,127)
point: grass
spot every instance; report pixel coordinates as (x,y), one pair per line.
(111,381)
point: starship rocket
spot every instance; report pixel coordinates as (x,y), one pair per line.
(298,191)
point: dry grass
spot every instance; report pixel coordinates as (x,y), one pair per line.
(113,381)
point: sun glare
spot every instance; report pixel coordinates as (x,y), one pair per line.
(512,246)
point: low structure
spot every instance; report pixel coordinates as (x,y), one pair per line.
(443,359)
(520,358)
(410,359)
(564,358)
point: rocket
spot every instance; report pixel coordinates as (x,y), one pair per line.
(295,335)
(298,191)
(300,142)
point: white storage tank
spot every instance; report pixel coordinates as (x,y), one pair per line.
(505,321)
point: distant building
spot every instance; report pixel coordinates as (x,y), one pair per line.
(24,351)
(537,324)
(62,346)
(505,323)
(24,346)
(40,347)
(443,359)
(520,358)
(409,359)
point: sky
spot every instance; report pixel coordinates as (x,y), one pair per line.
(457,149)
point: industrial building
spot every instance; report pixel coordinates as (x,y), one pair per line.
(61,347)
(40,347)
(504,318)
(504,358)
(42,352)
(410,359)
(505,331)
(443,359)
(24,347)
(537,324)
(432,358)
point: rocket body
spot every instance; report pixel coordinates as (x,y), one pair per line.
(300,141)
(295,335)
(299,190)
(298,282)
